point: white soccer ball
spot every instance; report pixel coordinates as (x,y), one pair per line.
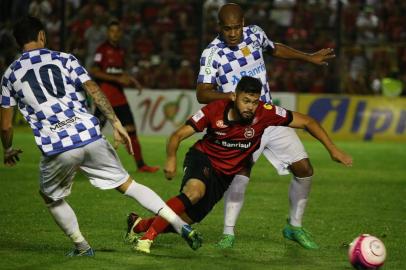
(367,252)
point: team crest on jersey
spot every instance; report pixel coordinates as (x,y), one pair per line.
(268,106)
(246,51)
(220,124)
(249,133)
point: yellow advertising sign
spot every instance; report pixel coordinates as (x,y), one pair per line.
(357,117)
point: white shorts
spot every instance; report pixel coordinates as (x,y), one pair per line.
(282,147)
(98,160)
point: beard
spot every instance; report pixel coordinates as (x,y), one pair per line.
(245,120)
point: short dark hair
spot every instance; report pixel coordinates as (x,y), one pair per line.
(113,22)
(27,29)
(249,85)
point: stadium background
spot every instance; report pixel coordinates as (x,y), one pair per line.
(358,97)
(164,38)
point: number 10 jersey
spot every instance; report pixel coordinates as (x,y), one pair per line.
(46,86)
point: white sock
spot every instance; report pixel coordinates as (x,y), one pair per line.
(167,213)
(298,193)
(66,219)
(151,201)
(145,196)
(233,202)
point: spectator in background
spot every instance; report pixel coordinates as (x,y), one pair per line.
(367,26)
(40,9)
(109,71)
(185,78)
(94,36)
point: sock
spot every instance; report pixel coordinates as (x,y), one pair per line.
(233,202)
(178,204)
(151,201)
(143,225)
(298,193)
(66,219)
(136,149)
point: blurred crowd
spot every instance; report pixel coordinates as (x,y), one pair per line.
(164,38)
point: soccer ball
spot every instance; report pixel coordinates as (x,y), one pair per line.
(367,252)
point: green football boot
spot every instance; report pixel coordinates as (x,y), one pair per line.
(300,235)
(226,241)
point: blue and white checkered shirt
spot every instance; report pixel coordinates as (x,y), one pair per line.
(224,66)
(46,85)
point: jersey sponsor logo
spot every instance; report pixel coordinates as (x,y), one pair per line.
(64,124)
(246,51)
(220,133)
(280,111)
(256,45)
(220,124)
(249,133)
(252,73)
(209,60)
(234,144)
(199,115)
(114,70)
(268,106)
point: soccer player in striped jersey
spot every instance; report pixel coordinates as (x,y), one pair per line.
(236,52)
(233,132)
(50,89)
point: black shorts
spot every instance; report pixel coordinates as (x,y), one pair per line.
(123,113)
(197,165)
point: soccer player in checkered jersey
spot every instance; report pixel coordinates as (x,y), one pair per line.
(48,88)
(109,71)
(236,52)
(233,132)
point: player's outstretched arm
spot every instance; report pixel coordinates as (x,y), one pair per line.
(10,155)
(206,93)
(319,58)
(316,130)
(103,104)
(172,146)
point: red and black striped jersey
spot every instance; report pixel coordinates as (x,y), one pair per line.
(229,144)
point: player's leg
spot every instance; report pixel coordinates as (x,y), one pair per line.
(56,176)
(104,169)
(124,113)
(234,201)
(287,154)
(192,192)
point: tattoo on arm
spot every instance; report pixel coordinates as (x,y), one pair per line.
(6,121)
(100,100)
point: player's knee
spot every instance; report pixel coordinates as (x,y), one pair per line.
(194,195)
(194,190)
(302,168)
(47,200)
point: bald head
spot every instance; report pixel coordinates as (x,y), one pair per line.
(230,11)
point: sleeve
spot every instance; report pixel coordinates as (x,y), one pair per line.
(6,99)
(77,72)
(266,43)
(208,65)
(200,120)
(276,116)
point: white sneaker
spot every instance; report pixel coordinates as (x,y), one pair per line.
(143,245)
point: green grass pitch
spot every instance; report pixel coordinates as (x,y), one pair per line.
(370,198)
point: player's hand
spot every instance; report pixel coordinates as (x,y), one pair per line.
(170,168)
(11,157)
(137,85)
(321,57)
(121,137)
(342,157)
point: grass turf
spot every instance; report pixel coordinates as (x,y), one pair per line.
(370,198)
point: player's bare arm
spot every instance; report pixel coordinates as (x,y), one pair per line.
(179,135)
(10,155)
(319,58)
(206,93)
(101,101)
(316,130)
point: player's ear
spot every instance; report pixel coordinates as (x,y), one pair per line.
(42,37)
(233,96)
